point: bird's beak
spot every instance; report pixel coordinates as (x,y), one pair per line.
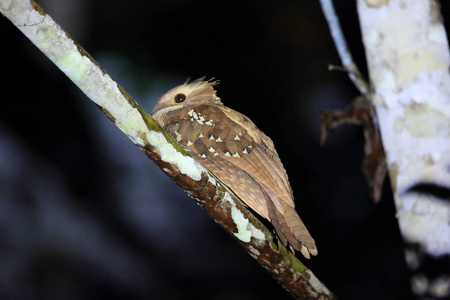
(161,109)
(158,107)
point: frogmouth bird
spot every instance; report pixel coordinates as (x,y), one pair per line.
(237,153)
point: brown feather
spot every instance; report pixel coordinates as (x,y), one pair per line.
(238,154)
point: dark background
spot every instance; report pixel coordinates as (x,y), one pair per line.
(85,215)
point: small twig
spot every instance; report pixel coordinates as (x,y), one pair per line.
(342,48)
(336,68)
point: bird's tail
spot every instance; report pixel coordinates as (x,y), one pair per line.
(291,230)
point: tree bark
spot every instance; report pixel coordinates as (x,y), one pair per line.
(408,60)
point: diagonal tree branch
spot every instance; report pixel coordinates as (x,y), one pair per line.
(342,48)
(146,134)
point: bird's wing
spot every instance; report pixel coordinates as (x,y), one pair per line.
(233,153)
(265,144)
(244,159)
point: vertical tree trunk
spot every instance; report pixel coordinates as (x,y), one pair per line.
(408,59)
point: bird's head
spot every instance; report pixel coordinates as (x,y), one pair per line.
(198,92)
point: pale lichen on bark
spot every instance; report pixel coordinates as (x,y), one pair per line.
(246,230)
(186,164)
(407,53)
(317,285)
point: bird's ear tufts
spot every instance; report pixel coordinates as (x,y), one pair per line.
(203,90)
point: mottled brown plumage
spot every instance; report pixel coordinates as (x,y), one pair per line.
(237,153)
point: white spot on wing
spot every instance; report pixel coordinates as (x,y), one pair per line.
(227,154)
(211,138)
(201,135)
(245,151)
(237,138)
(219,140)
(189,143)
(203,155)
(211,149)
(178,136)
(236,155)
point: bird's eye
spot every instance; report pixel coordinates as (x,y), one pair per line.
(179,98)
